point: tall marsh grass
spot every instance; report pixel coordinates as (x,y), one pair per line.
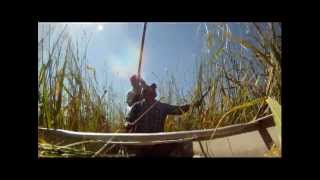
(240,69)
(69,95)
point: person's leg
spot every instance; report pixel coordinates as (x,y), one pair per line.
(163,150)
(184,149)
(187,148)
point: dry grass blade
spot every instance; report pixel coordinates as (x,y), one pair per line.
(242,106)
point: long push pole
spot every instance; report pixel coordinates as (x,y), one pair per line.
(141,49)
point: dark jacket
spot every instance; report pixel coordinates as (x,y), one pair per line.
(154,119)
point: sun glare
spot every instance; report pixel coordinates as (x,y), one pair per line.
(100,27)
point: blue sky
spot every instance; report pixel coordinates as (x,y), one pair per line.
(114,50)
(169,48)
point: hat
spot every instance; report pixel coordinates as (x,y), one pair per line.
(153,85)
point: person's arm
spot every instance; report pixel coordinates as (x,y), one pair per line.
(178,110)
(133,96)
(130,98)
(132,116)
(143,83)
(136,94)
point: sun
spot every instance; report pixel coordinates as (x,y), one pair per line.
(100,27)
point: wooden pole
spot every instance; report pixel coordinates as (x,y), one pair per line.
(141,49)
